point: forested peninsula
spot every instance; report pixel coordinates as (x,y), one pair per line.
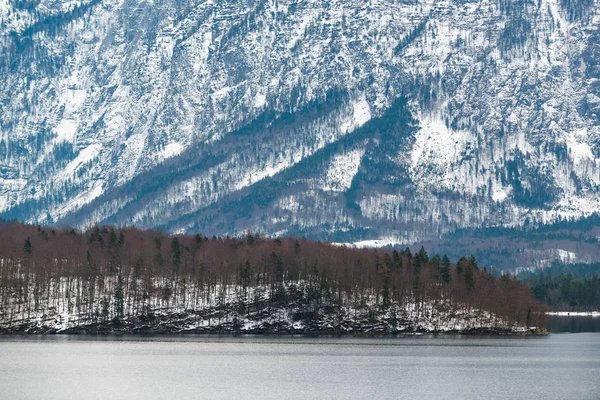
(109,280)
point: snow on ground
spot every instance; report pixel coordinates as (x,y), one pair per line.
(171,150)
(361,113)
(86,155)
(544,258)
(579,151)
(184,305)
(499,195)
(342,170)
(7,186)
(437,153)
(260,101)
(366,244)
(595,314)
(436,143)
(66,131)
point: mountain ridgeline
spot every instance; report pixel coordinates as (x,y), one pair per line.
(128,280)
(339,120)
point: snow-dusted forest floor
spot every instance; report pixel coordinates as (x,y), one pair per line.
(292,309)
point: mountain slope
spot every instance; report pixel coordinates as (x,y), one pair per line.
(343,120)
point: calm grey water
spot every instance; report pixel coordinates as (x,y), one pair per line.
(560,366)
(573,324)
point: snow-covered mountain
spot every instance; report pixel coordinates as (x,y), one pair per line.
(345,120)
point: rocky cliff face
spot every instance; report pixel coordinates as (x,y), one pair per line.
(343,120)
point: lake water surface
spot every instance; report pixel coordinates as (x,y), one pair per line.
(559,366)
(574,324)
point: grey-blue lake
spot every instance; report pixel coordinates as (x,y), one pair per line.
(559,366)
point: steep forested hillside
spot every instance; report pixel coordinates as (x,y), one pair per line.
(568,246)
(566,292)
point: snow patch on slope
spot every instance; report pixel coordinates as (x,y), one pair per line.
(86,155)
(578,149)
(499,195)
(437,156)
(361,113)
(342,170)
(260,101)
(374,243)
(259,173)
(437,144)
(75,203)
(171,150)
(65,131)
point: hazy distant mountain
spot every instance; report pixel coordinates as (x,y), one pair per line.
(343,120)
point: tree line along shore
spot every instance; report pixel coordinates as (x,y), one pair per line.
(129,280)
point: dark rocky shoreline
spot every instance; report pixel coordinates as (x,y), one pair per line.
(182,324)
